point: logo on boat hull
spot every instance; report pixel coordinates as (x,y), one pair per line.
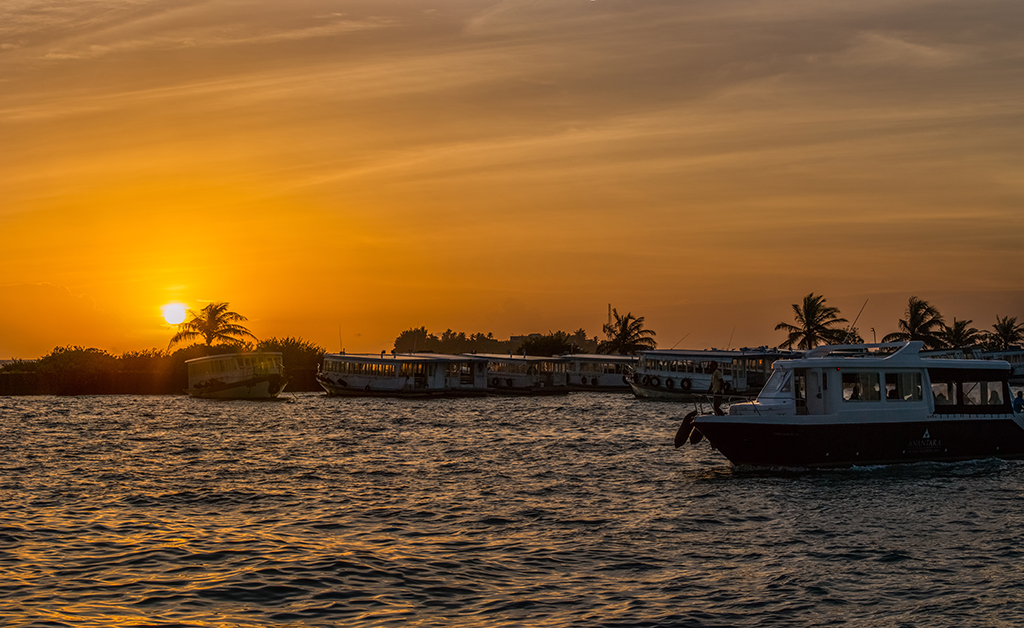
(924,445)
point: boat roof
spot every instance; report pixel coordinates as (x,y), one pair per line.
(598,357)
(504,357)
(889,354)
(719,354)
(221,356)
(378,358)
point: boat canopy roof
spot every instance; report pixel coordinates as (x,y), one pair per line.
(905,354)
(221,356)
(504,357)
(378,358)
(599,357)
(718,354)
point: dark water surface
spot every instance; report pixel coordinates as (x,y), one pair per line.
(558,511)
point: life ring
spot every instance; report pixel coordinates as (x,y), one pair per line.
(583,380)
(646,380)
(656,381)
(670,383)
(495,382)
(508,381)
(685,383)
(366,388)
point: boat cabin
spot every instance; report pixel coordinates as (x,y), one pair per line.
(256,375)
(881,379)
(413,374)
(525,373)
(663,373)
(586,371)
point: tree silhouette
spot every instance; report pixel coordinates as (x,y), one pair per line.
(213,323)
(815,324)
(1006,331)
(923,323)
(626,335)
(959,335)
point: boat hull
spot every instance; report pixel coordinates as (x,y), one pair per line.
(340,388)
(262,387)
(811,445)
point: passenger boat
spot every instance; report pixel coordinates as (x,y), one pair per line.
(870,404)
(525,374)
(598,371)
(258,375)
(402,375)
(1014,356)
(670,374)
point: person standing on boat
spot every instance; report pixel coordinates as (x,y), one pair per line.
(716,388)
(1018,402)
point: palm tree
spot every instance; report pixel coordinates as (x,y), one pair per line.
(626,335)
(959,335)
(815,324)
(213,323)
(923,323)
(1006,331)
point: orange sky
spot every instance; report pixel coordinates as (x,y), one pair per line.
(505,166)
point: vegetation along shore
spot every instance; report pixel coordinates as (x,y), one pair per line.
(76,370)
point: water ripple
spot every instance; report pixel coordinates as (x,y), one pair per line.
(571,511)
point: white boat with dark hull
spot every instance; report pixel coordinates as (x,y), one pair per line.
(402,375)
(853,405)
(258,375)
(598,372)
(678,375)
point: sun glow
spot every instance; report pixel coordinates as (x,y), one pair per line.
(174,313)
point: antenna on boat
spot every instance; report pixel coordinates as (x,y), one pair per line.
(341,345)
(730,338)
(855,321)
(682,339)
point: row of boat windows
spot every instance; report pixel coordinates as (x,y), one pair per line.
(597,367)
(868,387)
(525,368)
(360,368)
(228,365)
(404,369)
(968,393)
(738,367)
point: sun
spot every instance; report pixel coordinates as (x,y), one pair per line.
(174,313)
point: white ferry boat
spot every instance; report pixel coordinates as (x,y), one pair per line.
(525,374)
(870,404)
(680,374)
(402,375)
(258,375)
(598,371)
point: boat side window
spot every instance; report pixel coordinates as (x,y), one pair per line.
(780,381)
(944,393)
(983,393)
(862,386)
(903,386)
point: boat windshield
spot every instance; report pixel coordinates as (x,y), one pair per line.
(779,382)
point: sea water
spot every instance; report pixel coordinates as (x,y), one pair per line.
(503,511)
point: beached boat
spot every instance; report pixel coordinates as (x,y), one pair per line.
(402,375)
(670,374)
(853,405)
(258,375)
(598,372)
(525,374)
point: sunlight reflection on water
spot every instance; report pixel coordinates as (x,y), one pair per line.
(562,511)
